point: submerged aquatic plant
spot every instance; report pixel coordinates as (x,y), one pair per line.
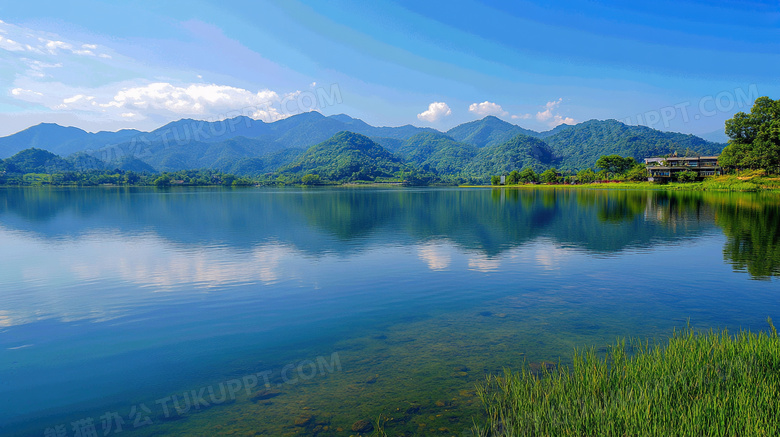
(699,383)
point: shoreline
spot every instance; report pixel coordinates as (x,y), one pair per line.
(722,184)
(647,186)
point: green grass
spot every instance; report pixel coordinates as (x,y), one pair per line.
(698,384)
(748,181)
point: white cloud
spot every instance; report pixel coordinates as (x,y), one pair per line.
(54,46)
(20,39)
(558,120)
(87,84)
(36,68)
(521,117)
(23,92)
(79,101)
(204,101)
(436,111)
(550,117)
(14,46)
(191,99)
(487,108)
(77,98)
(547,113)
(27,95)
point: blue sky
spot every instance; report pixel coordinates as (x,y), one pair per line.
(680,66)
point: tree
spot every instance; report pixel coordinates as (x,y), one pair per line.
(162,181)
(754,139)
(242,182)
(310,179)
(549,176)
(586,176)
(513,178)
(528,175)
(227,180)
(687,176)
(615,164)
(418,178)
(495,180)
(637,173)
(131,178)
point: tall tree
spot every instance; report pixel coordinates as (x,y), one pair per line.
(549,176)
(527,175)
(754,138)
(615,164)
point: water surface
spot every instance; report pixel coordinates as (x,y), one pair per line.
(118,305)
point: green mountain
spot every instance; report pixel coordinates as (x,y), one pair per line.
(516,154)
(48,136)
(35,161)
(579,146)
(346,156)
(186,130)
(250,147)
(298,131)
(188,144)
(437,152)
(172,156)
(260,166)
(487,132)
(132,164)
(391,144)
(359,126)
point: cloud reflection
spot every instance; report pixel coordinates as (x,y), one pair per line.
(50,281)
(436,255)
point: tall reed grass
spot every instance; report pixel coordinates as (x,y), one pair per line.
(698,384)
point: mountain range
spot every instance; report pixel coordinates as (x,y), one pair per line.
(343,147)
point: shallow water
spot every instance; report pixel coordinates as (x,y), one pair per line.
(167,312)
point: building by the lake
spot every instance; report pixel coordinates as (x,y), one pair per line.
(666,169)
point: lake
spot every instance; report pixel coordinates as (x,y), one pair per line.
(312,311)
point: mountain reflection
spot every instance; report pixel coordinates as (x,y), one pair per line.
(345,221)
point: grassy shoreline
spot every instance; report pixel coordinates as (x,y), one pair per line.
(749,183)
(699,383)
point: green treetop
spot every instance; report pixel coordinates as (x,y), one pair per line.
(754,138)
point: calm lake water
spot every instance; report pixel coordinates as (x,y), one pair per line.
(303,311)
